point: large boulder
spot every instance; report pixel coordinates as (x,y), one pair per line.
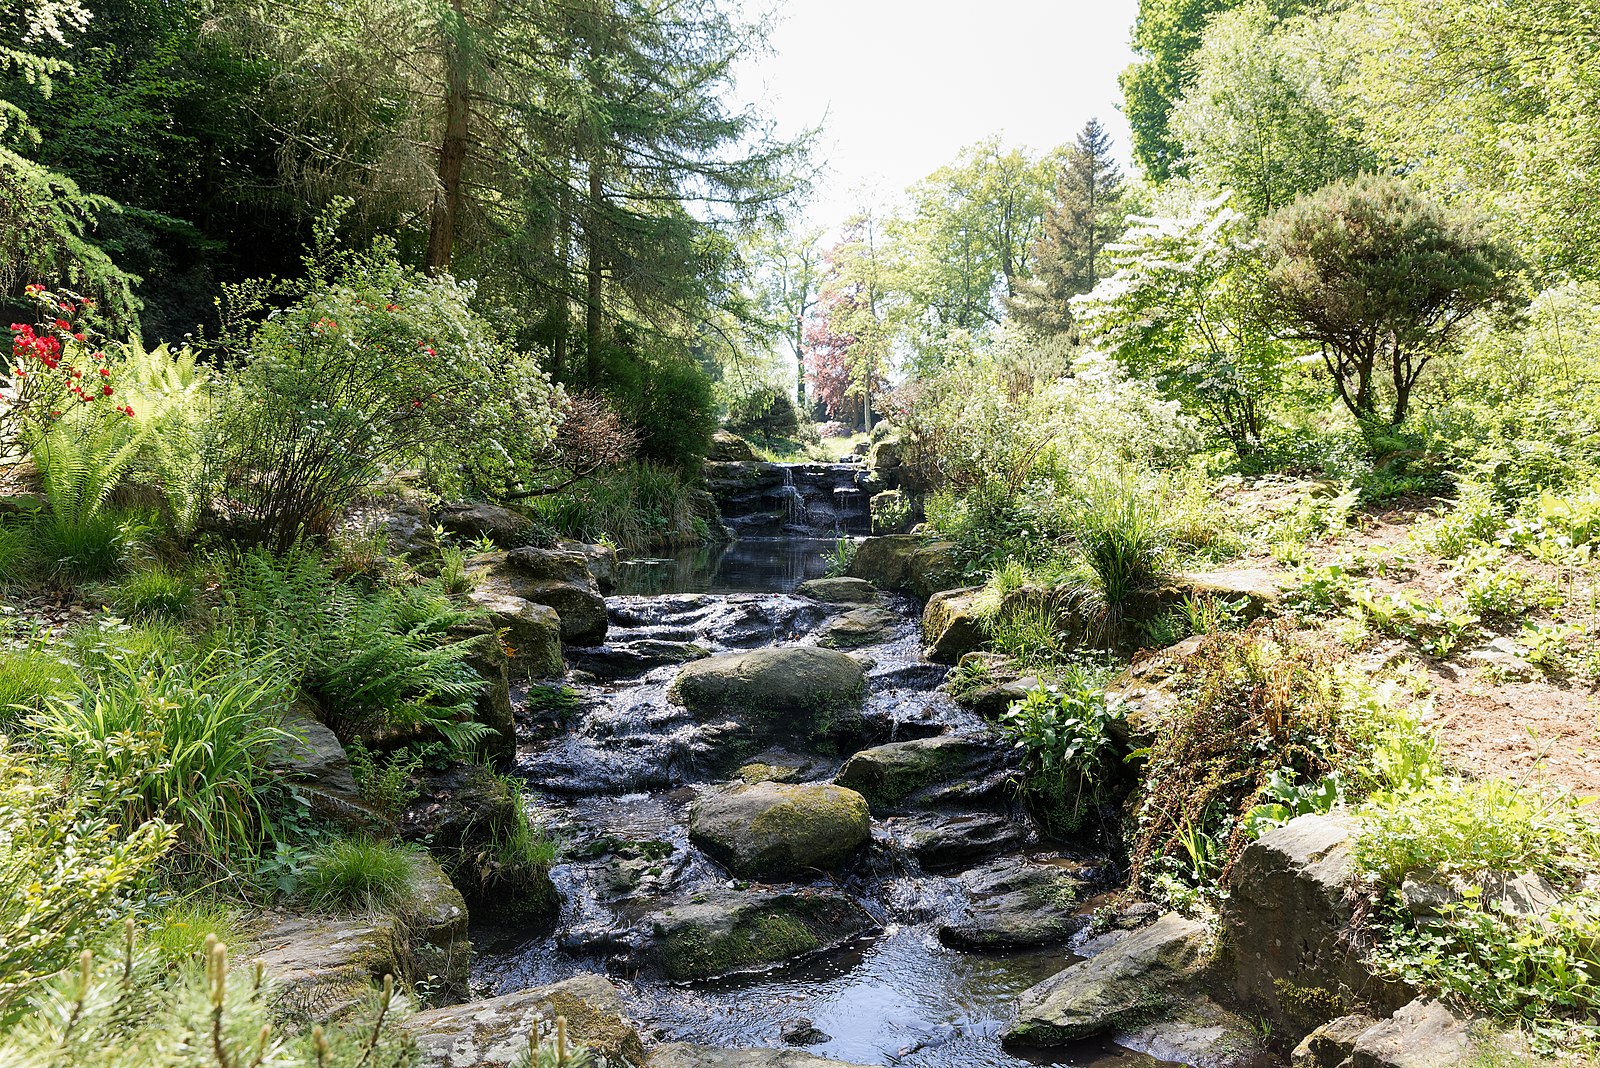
(795,686)
(494,1033)
(602,561)
(772,830)
(685,1055)
(838,590)
(486,654)
(1124,986)
(1288,915)
(858,627)
(1017,904)
(951,841)
(926,771)
(532,631)
(907,562)
(951,626)
(726,931)
(434,920)
(558,578)
(727,447)
(479,519)
(1421,1034)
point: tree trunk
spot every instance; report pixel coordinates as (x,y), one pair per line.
(800,363)
(594,322)
(452,151)
(561,309)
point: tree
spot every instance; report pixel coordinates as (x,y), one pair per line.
(847,338)
(1268,113)
(1086,216)
(45,218)
(963,245)
(1165,38)
(1186,309)
(1496,100)
(1381,280)
(788,268)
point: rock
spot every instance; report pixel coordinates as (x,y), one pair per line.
(858,627)
(794,685)
(552,577)
(943,841)
(907,562)
(950,625)
(946,767)
(1137,978)
(1146,693)
(727,447)
(315,765)
(463,814)
(1286,917)
(1016,904)
(1200,1033)
(480,519)
(725,931)
(532,631)
(435,924)
(486,654)
(404,526)
(684,1055)
(629,660)
(493,1033)
(601,559)
(1329,1046)
(802,1032)
(838,590)
(1528,895)
(1421,1034)
(325,967)
(772,830)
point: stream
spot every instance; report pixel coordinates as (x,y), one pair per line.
(613,779)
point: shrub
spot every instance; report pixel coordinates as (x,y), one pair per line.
(66,866)
(670,400)
(1071,760)
(374,368)
(185,743)
(356,875)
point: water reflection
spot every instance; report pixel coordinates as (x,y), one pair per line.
(765,565)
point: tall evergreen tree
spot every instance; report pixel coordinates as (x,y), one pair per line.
(1086,216)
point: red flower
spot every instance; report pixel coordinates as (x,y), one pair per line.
(35,288)
(105,372)
(107,390)
(62,324)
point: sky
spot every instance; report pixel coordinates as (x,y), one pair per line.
(900,86)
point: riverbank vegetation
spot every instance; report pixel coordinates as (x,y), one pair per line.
(1306,409)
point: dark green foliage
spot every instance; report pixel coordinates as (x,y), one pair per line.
(1073,764)
(63,550)
(1383,281)
(377,659)
(670,401)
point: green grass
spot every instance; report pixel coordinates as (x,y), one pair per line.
(154,593)
(29,677)
(180,929)
(1121,534)
(358,875)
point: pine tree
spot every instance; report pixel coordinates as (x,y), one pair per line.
(1086,216)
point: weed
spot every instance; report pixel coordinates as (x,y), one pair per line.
(840,557)
(359,875)
(1071,759)
(153,593)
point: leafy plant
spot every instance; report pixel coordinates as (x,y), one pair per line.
(1284,798)
(840,557)
(170,740)
(1121,536)
(384,779)
(1070,756)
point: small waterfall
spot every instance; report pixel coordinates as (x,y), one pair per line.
(794,502)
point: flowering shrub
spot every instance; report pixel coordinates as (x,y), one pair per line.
(375,370)
(57,364)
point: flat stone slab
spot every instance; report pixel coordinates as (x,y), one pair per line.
(838,590)
(494,1033)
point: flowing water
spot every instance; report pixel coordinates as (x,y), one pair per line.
(614,782)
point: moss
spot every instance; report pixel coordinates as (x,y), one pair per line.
(696,953)
(757,772)
(604,1033)
(1306,1008)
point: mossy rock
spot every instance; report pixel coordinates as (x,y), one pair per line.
(797,684)
(861,626)
(532,633)
(838,590)
(887,775)
(493,1033)
(774,830)
(730,931)
(950,625)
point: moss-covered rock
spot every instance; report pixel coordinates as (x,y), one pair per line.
(433,918)
(933,770)
(493,1033)
(885,561)
(950,625)
(1134,981)
(794,684)
(731,930)
(858,627)
(838,590)
(532,632)
(557,578)
(1015,904)
(772,830)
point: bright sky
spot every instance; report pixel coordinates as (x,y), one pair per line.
(901,86)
